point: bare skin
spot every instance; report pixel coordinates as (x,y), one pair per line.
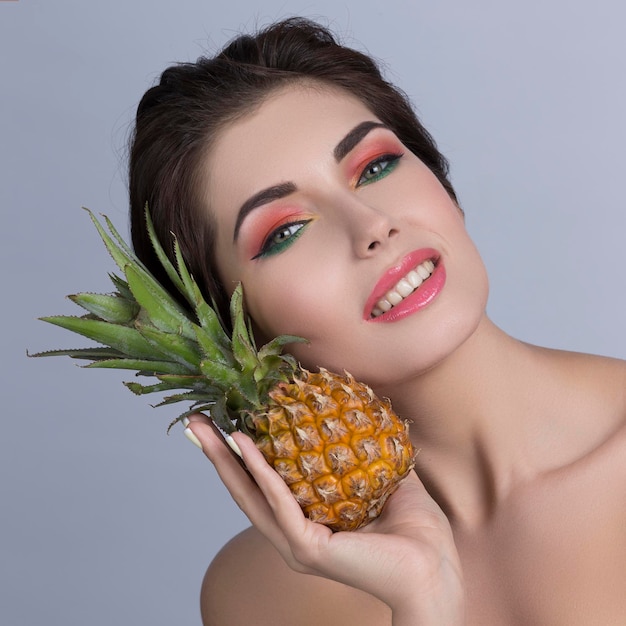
(519,513)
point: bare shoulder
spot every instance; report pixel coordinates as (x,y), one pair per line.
(596,374)
(598,388)
(249,583)
(590,392)
(606,385)
(598,478)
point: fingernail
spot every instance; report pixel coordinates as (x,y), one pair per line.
(234,447)
(186,422)
(190,435)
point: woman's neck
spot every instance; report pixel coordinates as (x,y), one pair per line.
(483,421)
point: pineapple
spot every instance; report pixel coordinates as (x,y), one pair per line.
(341,450)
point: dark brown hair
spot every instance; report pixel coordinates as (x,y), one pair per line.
(177,119)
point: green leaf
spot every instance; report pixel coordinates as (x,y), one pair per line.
(196,408)
(122,286)
(183,397)
(236,304)
(275,347)
(270,370)
(176,346)
(121,253)
(110,308)
(147,368)
(243,349)
(83,353)
(162,256)
(191,382)
(124,247)
(210,321)
(221,417)
(141,390)
(206,315)
(125,258)
(185,283)
(219,374)
(185,277)
(248,389)
(212,351)
(163,311)
(127,340)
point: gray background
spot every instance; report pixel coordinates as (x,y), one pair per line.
(105,519)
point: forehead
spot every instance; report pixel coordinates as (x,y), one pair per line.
(293,131)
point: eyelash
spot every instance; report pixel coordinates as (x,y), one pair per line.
(271,247)
(388,163)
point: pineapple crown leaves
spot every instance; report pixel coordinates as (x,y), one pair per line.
(143,328)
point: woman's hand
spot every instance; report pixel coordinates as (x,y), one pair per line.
(406,557)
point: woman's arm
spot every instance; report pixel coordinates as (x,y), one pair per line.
(406,558)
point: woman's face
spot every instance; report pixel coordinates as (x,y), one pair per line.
(325,217)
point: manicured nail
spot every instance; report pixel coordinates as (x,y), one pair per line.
(233,444)
(190,435)
(186,422)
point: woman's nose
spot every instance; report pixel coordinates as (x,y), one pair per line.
(372,230)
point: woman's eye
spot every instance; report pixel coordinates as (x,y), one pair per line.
(281,238)
(378,168)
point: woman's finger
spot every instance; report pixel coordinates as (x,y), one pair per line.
(201,418)
(299,535)
(242,484)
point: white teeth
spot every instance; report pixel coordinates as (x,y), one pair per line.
(394,297)
(423,272)
(404,287)
(414,279)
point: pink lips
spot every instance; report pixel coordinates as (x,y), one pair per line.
(421,297)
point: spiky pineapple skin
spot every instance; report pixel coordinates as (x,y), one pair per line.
(341,450)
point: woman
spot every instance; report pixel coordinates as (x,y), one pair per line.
(288,164)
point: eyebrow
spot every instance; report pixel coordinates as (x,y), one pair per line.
(276,192)
(348,143)
(262,197)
